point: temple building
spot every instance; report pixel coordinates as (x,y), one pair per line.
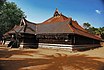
(58,31)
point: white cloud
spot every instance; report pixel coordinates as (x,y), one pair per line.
(98,11)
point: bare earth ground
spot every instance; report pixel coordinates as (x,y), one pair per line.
(49,59)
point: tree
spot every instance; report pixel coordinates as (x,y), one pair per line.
(10,15)
(86,25)
(93,30)
(1,3)
(100,31)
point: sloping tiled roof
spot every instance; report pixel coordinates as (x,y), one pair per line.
(59,27)
(56,24)
(24,27)
(82,32)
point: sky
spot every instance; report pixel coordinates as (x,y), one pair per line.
(37,11)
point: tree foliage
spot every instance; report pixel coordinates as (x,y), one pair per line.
(86,25)
(2,1)
(10,15)
(98,31)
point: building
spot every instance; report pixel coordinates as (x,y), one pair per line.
(58,31)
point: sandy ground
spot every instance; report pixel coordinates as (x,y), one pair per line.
(49,59)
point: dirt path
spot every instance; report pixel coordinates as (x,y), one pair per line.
(48,59)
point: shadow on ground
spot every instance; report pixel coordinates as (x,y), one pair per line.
(55,62)
(4,53)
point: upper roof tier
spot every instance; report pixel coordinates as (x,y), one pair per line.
(57,17)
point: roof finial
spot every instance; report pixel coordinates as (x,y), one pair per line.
(56,13)
(57,9)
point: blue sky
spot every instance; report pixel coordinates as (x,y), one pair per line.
(37,11)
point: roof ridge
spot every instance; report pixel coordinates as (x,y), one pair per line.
(70,28)
(24,20)
(81,28)
(69,25)
(56,13)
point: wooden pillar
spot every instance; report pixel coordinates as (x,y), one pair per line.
(93,41)
(74,39)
